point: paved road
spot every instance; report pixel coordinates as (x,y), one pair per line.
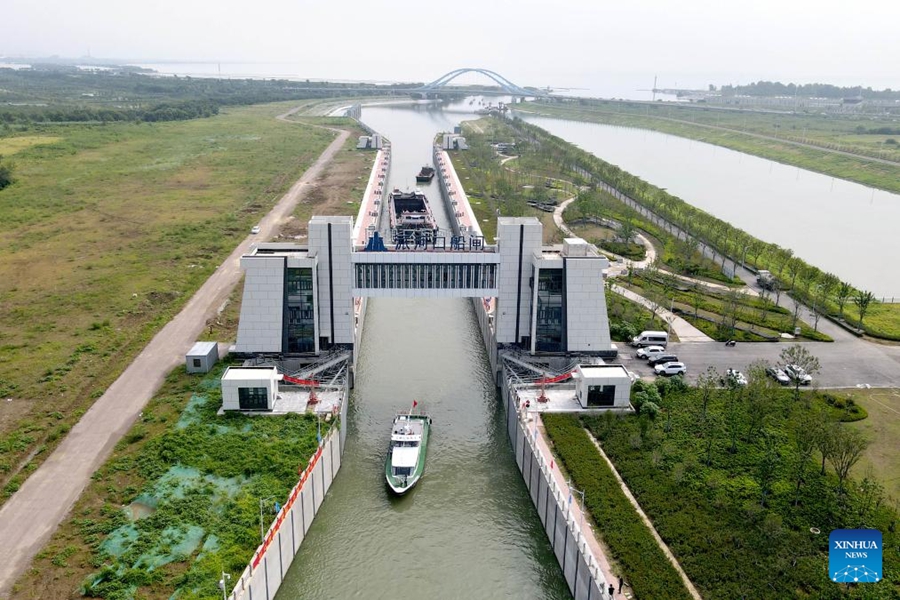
(843,365)
(31,516)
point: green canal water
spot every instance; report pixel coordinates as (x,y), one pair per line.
(468,530)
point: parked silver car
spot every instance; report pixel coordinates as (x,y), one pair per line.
(796,373)
(672,368)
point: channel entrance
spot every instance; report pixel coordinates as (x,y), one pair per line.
(469,530)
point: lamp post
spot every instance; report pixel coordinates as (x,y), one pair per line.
(262,532)
(573,490)
(225,577)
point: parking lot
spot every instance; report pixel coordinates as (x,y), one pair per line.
(843,364)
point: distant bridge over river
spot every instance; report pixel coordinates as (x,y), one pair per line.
(507,87)
(442,85)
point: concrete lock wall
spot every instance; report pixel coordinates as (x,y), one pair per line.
(580,568)
(271,561)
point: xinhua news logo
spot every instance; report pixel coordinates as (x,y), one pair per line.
(854,556)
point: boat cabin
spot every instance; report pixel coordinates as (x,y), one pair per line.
(406,438)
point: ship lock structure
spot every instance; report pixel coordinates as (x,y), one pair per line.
(308,299)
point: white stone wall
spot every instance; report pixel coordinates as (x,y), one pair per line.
(508,230)
(262,307)
(587,324)
(338,267)
(580,567)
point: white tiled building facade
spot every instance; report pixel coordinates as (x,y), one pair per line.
(301,299)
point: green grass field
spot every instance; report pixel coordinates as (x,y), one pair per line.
(882,428)
(107,232)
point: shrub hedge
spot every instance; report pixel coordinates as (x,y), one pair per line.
(647,569)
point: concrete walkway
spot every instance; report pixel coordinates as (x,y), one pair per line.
(33,513)
(684,330)
(597,549)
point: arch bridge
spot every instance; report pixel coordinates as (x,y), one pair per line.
(507,86)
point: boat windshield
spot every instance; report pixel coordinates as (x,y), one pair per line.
(403,471)
(406,444)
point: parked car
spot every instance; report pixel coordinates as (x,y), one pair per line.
(661,359)
(778,375)
(733,377)
(255,229)
(672,368)
(796,373)
(649,351)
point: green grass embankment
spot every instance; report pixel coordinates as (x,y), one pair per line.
(178,502)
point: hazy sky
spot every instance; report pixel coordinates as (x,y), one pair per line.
(553,42)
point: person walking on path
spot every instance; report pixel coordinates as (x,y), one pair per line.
(621,583)
(612,591)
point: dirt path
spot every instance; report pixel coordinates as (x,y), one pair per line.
(637,507)
(29,518)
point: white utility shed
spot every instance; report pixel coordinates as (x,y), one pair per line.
(602,386)
(202,357)
(249,388)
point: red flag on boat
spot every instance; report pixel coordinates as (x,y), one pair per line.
(415,403)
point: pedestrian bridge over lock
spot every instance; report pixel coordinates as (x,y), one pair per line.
(426,267)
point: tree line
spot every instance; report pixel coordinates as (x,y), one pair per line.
(824,292)
(810,90)
(60,95)
(165,111)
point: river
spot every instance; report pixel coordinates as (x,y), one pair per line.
(836,225)
(468,530)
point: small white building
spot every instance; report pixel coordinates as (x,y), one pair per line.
(602,386)
(249,388)
(202,357)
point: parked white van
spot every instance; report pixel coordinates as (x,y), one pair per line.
(651,338)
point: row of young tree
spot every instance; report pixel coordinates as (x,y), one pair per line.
(746,416)
(824,292)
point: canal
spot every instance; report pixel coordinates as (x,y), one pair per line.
(469,529)
(836,225)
